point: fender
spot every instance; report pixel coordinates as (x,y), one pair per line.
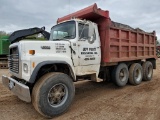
(35,71)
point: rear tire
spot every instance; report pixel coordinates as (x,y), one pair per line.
(53,94)
(120,75)
(135,74)
(147,71)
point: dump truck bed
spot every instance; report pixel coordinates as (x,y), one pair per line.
(119,42)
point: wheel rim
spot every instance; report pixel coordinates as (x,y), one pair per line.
(150,71)
(57,95)
(123,75)
(138,75)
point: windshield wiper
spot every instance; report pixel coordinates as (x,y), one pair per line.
(57,39)
(68,36)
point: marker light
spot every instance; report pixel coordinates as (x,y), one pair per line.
(32,52)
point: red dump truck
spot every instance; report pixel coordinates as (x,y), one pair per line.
(85,45)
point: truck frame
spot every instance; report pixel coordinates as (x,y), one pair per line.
(83,45)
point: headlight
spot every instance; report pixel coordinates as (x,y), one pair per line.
(25,67)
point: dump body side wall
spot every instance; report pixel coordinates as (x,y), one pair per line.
(125,45)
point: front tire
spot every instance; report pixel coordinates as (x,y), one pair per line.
(52,94)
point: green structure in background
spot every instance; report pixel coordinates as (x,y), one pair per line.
(4,45)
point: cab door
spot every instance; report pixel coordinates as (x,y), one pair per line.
(89,54)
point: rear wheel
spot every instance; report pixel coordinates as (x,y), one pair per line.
(147,71)
(135,74)
(53,94)
(120,75)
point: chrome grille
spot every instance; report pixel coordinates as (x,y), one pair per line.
(13,60)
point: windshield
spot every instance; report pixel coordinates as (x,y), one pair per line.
(63,31)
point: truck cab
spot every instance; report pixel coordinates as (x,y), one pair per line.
(73,49)
(83,40)
(75,43)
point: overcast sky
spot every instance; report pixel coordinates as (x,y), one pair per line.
(21,14)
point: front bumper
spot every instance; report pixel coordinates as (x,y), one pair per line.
(19,89)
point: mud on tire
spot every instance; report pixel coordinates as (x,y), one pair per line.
(147,71)
(53,94)
(120,74)
(135,74)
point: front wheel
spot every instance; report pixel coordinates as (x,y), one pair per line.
(53,94)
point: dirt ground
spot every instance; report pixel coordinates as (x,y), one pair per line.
(94,101)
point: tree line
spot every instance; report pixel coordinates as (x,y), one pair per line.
(3,33)
(157,42)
